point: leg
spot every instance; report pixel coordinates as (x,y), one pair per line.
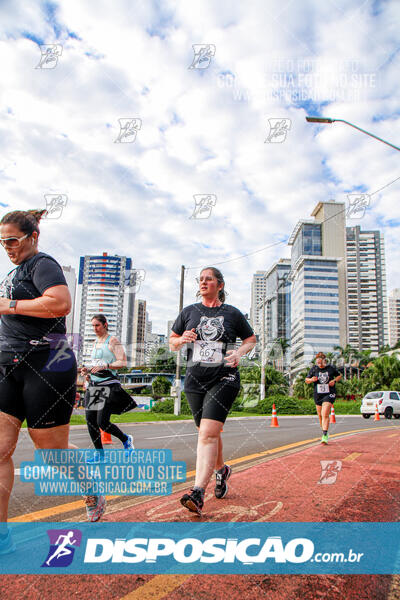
(219,463)
(207,451)
(9,427)
(93,428)
(103,421)
(52,438)
(326,411)
(319,409)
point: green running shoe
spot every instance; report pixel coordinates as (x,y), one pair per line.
(324,439)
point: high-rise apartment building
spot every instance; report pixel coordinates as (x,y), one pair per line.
(277,304)
(394,316)
(103,279)
(139,333)
(366,285)
(70,277)
(257,295)
(318,275)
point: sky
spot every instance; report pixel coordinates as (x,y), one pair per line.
(144,108)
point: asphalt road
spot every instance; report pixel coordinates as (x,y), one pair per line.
(241,437)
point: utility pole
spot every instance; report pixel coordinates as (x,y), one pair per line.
(177,401)
(262,384)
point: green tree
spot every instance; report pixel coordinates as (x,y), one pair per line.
(160,387)
(165,360)
(301,389)
(381,373)
(346,355)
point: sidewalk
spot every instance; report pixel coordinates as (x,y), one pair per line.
(283,488)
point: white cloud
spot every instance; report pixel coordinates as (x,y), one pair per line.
(131,60)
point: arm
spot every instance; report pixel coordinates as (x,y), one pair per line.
(233,356)
(55,302)
(120,355)
(335,380)
(176,342)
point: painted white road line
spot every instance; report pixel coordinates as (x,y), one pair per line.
(160,437)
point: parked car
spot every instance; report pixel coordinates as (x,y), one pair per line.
(388,403)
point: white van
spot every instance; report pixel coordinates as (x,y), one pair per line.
(388,404)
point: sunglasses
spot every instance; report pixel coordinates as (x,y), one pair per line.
(13,242)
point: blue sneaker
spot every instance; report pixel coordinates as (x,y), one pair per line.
(95,507)
(98,457)
(128,444)
(6,544)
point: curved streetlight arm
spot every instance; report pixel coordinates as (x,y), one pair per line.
(367,132)
(327,120)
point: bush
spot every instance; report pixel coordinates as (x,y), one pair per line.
(396,384)
(167,406)
(286,405)
(160,387)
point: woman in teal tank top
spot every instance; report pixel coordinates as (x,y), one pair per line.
(108,356)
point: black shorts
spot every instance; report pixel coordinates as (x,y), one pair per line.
(328,398)
(38,389)
(214,403)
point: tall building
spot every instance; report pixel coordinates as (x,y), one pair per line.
(139,333)
(318,275)
(394,316)
(277,307)
(257,294)
(366,284)
(70,277)
(103,279)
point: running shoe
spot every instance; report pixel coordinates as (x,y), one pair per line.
(221,488)
(128,444)
(6,544)
(95,507)
(98,457)
(324,439)
(193,501)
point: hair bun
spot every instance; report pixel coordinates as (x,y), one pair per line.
(37,214)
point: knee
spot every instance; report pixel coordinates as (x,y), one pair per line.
(208,437)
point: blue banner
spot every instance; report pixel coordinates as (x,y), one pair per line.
(106,472)
(194,548)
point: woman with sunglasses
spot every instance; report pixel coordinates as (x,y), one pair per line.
(34,384)
(212,382)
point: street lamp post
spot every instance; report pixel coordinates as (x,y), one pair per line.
(326,120)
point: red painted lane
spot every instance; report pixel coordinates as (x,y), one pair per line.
(282,489)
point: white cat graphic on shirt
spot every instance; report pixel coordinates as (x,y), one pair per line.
(207,348)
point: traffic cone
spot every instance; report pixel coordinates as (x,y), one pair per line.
(105,437)
(376,417)
(274,421)
(333,417)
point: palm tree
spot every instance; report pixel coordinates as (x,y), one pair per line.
(282,345)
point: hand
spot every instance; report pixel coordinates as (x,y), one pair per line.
(4,306)
(84,371)
(332,383)
(233,359)
(189,336)
(98,368)
(314,379)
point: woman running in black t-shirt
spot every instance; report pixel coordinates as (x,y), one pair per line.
(212,382)
(324,378)
(37,366)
